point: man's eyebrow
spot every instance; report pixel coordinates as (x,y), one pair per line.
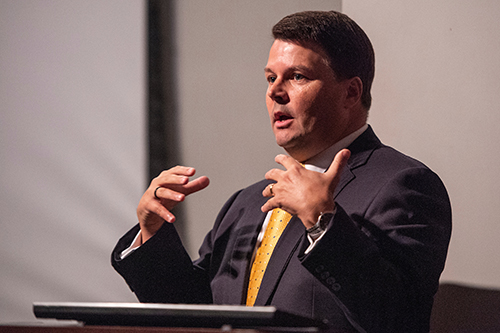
(301,68)
(291,69)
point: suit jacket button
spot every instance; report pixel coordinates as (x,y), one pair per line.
(320,269)
(336,287)
(330,281)
(325,275)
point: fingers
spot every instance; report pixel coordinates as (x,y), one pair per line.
(177,191)
(269,205)
(286,161)
(196,185)
(178,175)
(273,174)
(268,191)
(181,170)
(165,192)
(300,191)
(158,209)
(177,179)
(151,216)
(338,163)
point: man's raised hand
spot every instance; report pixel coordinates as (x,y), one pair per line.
(301,192)
(163,194)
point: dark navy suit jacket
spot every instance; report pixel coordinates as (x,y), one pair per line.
(376,269)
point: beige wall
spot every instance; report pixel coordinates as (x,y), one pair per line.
(72,147)
(436,97)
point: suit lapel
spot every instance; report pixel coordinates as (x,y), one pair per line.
(361,150)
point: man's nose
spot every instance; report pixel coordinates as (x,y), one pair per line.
(277,92)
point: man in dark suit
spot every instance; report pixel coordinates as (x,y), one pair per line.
(369,228)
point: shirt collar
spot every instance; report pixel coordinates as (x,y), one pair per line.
(322,161)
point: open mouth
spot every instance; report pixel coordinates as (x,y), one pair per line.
(282,117)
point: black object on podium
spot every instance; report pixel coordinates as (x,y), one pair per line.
(173,315)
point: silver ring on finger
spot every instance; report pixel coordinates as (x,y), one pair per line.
(155,193)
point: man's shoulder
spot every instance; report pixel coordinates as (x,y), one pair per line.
(369,149)
(392,157)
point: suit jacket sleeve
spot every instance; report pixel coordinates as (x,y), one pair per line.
(161,271)
(384,263)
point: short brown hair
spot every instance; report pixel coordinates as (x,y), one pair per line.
(350,52)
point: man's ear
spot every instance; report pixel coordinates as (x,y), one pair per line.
(354,90)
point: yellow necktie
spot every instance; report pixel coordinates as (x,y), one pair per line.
(277,223)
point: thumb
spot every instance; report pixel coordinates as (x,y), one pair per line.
(338,163)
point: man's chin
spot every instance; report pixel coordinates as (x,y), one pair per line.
(285,138)
(289,145)
(285,144)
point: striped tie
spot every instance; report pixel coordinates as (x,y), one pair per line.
(277,223)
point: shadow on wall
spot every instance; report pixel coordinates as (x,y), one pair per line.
(465,309)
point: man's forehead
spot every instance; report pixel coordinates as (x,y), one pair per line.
(299,55)
(307,44)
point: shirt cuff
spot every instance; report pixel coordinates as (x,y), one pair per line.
(316,232)
(125,253)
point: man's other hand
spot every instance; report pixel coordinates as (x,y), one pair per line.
(163,194)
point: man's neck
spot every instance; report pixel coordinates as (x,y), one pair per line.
(321,161)
(305,154)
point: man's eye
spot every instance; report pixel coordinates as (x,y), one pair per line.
(271,79)
(298,77)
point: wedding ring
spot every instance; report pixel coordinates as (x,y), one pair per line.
(155,192)
(271,189)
